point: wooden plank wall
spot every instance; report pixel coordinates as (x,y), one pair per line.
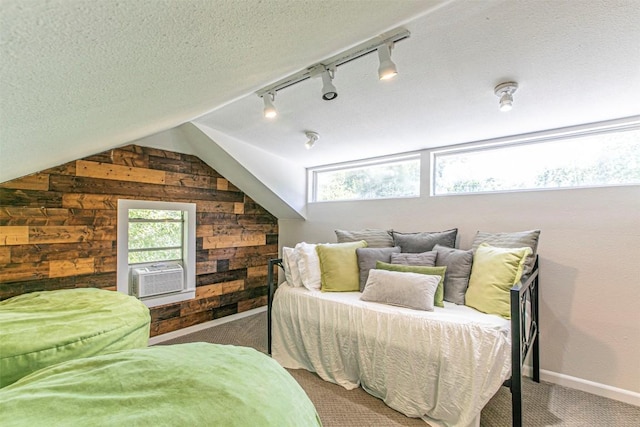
(58,230)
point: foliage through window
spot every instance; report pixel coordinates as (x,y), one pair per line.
(601,159)
(399,177)
(155,235)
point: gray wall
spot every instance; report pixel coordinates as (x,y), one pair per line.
(589,257)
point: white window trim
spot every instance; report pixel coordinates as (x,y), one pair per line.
(313,172)
(618,125)
(189,250)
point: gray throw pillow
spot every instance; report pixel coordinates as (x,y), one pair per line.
(375,238)
(517,239)
(424,241)
(412,290)
(425,258)
(367,258)
(456,277)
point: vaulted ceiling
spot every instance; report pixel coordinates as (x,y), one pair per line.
(80,76)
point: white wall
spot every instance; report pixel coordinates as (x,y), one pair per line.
(589,259)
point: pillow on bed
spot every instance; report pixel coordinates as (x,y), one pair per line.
(517,239)
(290,263)
(339,266)
(494,272)
(439,271)
(424,241)
(308,265)
(425,258)
(412,290)
(456,279)
(375,238)
(367,258)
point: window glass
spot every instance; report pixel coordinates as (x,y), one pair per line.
(602,159)
(384,179)
(155,235)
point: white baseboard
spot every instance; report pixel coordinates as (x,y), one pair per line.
(603,390)
(195,328)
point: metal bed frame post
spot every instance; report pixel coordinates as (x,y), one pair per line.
(523,339)
(272,289)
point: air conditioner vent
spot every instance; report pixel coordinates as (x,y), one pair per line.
(157,279)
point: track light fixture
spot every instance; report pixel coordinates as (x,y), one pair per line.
(329,91)
(326,68)
(269,110)
(387,69)
(505,92)
(312,138)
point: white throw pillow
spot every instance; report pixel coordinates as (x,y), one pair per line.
(290,262)
(412,290)
(308,265)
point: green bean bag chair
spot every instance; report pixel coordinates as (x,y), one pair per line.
(40,329)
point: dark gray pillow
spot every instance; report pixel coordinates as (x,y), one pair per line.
(517,239)
(375,238)
(424,241)
(456,277)
(367,258)
(425,258)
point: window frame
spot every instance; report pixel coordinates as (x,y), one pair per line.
(312,175)
(187,262)
(600,128)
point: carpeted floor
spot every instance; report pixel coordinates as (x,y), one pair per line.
(544,404)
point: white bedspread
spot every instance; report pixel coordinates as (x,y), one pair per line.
(441,366)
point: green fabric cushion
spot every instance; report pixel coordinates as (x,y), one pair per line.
(493,274)
(339,270)
(435,271)
(39,329)
(515,239)
(196,384)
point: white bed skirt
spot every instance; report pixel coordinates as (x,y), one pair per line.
(441,366)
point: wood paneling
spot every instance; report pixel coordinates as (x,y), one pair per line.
(58,230)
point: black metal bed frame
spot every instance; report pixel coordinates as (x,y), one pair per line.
(524,332)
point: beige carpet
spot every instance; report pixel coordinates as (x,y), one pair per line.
(545,404)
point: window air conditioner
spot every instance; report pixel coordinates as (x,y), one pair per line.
(157,279)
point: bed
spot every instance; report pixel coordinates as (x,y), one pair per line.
(442,366)
(196,384)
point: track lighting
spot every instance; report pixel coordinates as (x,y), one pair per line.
(326,68)
(269,110)
(387,69)
(505,92)
(329,91)
(313,137)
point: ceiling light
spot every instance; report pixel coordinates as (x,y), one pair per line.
(326,68)
(269,110)
(329,91)
(313,137)
(387,69)
(505,92)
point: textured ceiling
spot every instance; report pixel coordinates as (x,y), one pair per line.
(78,77)
(575,62)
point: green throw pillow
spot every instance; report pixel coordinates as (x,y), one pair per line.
(339,270)
(493,274)
(434,271)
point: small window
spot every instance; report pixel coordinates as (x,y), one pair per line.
(155,235)
(156,250)
(377,179)
(586,160)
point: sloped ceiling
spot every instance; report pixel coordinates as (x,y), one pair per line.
(82,76)
(79,77)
